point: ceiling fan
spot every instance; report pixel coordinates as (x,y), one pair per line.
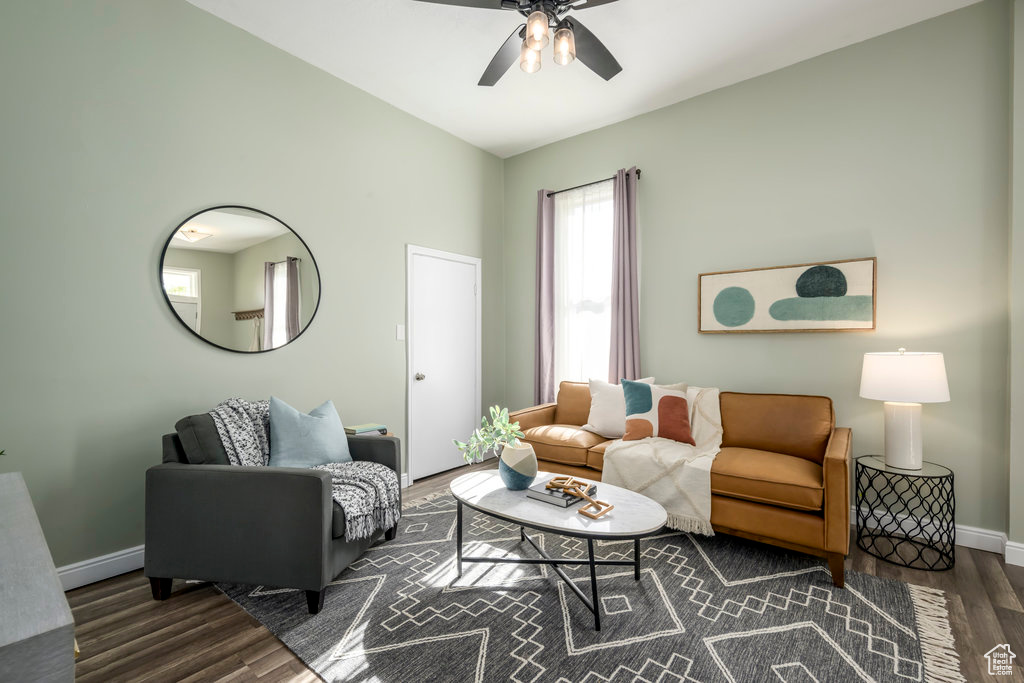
(572,39)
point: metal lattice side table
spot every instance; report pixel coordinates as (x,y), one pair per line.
(906,517)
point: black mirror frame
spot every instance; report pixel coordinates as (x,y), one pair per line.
(167,300)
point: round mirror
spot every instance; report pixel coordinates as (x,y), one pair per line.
(240,279)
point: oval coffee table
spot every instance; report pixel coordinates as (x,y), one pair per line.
(634,517)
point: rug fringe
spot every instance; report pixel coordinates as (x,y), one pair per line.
(408,504)
(691,525)
(940,658)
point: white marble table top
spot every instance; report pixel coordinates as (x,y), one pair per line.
(634,514)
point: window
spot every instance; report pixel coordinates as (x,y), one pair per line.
(181,282)
(184,290)
(279,324)
(584,234)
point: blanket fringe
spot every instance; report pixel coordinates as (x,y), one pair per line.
(691,525)
(941,661)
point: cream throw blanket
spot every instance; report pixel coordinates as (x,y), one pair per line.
(677,475)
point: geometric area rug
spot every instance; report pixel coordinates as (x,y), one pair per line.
(705,609)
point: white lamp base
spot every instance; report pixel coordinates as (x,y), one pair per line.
(903,447)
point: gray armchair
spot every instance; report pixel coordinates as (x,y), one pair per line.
(271,526)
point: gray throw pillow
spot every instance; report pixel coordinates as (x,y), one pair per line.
(300,440)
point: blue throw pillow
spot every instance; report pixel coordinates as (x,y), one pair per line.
(300,440)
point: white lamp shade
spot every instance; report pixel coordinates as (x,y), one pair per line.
(904,377)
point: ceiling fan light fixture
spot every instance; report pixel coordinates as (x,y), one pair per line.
(529,59)
(565,45)
(191,235)
(537,34)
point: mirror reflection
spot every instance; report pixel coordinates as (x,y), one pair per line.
(240,279)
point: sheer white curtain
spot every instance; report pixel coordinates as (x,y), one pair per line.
(584,225)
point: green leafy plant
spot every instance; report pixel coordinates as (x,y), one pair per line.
(490,436)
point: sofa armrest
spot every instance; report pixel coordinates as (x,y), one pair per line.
(836,472)
(255,525)
(537,416)
(385,450)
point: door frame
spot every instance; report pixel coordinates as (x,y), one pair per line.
(412,250)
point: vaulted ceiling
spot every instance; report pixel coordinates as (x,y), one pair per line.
(426,58)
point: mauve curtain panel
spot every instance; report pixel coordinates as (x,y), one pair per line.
(624,361)
(291,320)
(544,351)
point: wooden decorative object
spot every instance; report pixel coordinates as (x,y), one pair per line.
(248,315)
(575,487)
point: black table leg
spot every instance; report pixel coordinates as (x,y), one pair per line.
(636,559)
(522,534)
(458,537)
(593,584)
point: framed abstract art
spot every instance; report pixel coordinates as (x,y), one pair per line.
(830,296)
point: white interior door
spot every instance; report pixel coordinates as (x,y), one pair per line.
(187,309)
(443,357)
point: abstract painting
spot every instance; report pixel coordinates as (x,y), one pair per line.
(830,296)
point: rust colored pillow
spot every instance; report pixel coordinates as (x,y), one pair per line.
(655,411)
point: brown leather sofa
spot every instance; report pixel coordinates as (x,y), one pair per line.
(782,476)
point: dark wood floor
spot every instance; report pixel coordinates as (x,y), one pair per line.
(200,635)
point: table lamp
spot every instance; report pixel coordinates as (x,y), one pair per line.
(904,381)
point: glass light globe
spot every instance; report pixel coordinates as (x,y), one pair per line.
(537,34)
(565,46)
(529,59)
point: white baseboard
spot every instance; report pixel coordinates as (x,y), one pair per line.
(981,539)
(100,568)
(130,559)
(968,536)
(121,562)
(1015,553)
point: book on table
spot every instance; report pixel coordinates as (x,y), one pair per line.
(366,429)
(556,496)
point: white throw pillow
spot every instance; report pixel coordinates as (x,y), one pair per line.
(608,408)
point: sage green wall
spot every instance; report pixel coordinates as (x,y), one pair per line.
(895,148)
(249,281)
(217,290)
(120,119)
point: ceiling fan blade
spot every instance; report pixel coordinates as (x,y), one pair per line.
(593,53)
(587,4)
(505,57)
(479,4)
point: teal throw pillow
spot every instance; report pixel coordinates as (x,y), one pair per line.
(300,440)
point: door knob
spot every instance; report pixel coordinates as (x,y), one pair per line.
(420,377)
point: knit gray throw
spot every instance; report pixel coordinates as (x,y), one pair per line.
(368,492)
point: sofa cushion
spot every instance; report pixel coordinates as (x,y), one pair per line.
(301,440)
(200,440)
(656,411)
(607,415)
(562,443)
(766,477)
(595,456)
(573,403)
(780,423)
